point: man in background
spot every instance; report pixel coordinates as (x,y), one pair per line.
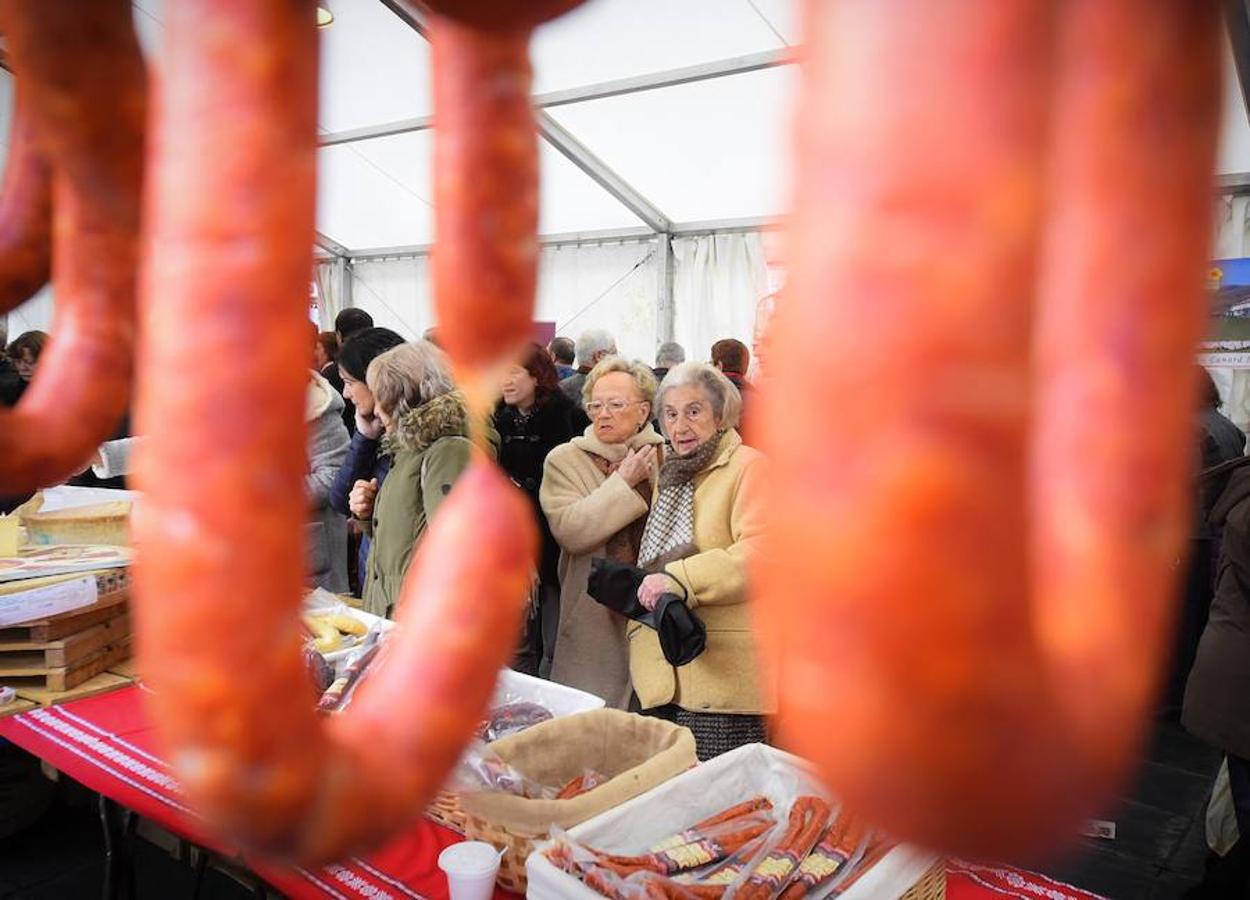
(562,351)
(592,345)
(349,321)
(733,358)
(667,355)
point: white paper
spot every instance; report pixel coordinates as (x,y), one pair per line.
(67,497)
(49,600)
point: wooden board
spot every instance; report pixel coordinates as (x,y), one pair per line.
(100,684)
(127,668)
(17,706)
(65,652)
(62,679)
(60,626)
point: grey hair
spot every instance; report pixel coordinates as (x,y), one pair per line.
(669,354)
(643,376)
(726,401)
(592,341)
(408,375)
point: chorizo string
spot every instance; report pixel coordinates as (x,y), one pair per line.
(25,210)
(224,276)
(84,90)
(978,498)
(979,553)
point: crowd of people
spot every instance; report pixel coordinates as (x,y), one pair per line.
(639,472)
(634,465)
(623,462)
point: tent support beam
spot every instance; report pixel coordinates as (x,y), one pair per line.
(331,246)
(608,235)
(665,310)
(1236,183)
(736,65)
(564,239)
(600,172)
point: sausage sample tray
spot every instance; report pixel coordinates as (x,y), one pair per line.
(703,791)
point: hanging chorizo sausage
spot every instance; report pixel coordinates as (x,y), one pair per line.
(978,501)
(84,89)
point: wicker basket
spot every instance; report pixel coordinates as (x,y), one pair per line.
(931,886)
(445,810)
(637,753)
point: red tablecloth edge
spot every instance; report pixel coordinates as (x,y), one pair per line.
(405,868)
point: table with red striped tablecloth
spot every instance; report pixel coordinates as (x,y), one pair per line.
(107,743)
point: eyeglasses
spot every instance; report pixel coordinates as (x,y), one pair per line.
(615,407)
(695,412)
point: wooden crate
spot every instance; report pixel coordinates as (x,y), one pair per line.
(32,670)
(68,651)
(44,630)
(100,684)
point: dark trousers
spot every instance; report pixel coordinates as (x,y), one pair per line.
(1228,876)
(1198,587)
(538,643)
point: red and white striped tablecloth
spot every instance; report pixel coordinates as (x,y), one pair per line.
(107,743)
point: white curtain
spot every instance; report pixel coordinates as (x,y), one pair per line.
(330,276)
(718,281)
(396,293)
(1232,228)
(610,286)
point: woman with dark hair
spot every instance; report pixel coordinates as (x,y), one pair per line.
(364,462)
(533,418)
(24,352)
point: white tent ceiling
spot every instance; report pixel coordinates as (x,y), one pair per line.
(696,153)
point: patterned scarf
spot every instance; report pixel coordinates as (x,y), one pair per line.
(669,534)
(623,546)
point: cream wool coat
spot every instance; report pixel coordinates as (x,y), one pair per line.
(584,509)
(728,523)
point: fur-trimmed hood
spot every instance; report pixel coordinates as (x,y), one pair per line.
(321,398)
(444,416)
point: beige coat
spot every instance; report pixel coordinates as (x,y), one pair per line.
(727,526)
(584,509)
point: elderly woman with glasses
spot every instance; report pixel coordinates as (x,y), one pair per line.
(705,521)
(595,492)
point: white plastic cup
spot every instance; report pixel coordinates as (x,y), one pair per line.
(471,867)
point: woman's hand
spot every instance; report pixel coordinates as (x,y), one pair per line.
(370,426)
(652,587)
(360,501)
(637,465)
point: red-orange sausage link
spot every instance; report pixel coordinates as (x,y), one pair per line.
(485,183)
(25,210)
(978,548)
(225,271)
(86,87)
(486,196)
(1137,115)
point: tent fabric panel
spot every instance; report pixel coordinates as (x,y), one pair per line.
(379,193)
(605,40)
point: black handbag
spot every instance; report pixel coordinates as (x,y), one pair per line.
(682,634)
